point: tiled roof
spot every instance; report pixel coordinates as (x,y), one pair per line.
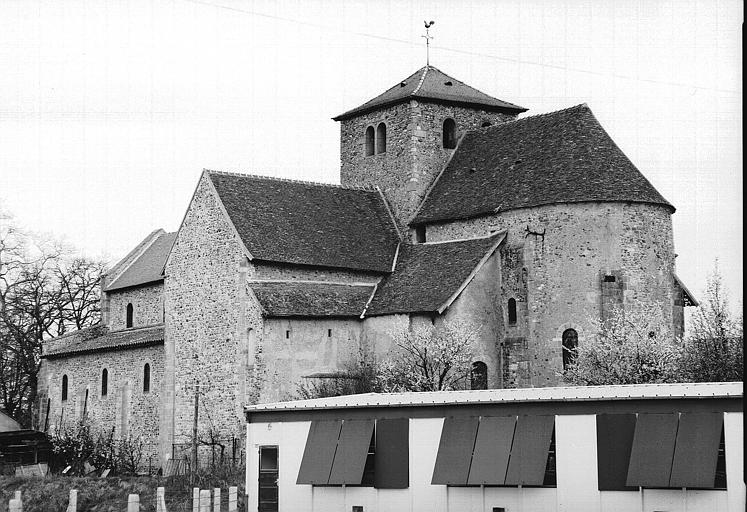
(99,338)
(550,394)
(560,157)
(148,266)
(309,223)
(428,275)
(315,299)
(429,83)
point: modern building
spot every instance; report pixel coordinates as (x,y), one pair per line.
(656,447)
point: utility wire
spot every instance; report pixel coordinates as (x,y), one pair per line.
(457,51)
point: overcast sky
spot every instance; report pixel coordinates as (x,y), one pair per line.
(109,110)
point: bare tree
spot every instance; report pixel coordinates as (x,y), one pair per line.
(43,293)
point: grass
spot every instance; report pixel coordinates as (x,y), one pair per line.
(51,493)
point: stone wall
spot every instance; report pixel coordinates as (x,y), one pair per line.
(126,407)
(206,324)
(565,250)
(147,306)
(414,150)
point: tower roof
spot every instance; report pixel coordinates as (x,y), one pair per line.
(560,157)
(429,83)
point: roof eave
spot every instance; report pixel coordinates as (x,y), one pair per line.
(359,111)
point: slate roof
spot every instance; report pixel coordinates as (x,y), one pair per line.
(99,339)
(148,266)
(430,83)
(560,157)
(309,223)
(314,299)
(428,275)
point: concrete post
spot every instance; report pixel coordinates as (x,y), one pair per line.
(196,499)
(233,499)
(205,500)
(216,499)
(72,504)
(160,499)
(14,505)
(133,503)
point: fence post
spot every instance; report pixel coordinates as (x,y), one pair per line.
(160,499)
(133,503)
(233,501)
(216,499)
(72,504)
(204,500)
(196,499)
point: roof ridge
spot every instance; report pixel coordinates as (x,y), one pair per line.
(366,188)
(84,330)
(535,116)
(420,83)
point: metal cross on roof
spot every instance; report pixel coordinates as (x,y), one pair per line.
(428,37)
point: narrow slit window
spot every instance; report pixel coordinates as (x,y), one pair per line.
(369,141)
(104,382)
(512,311)
(64,388)
(146,378)
(381,138)
(449,134)
(329,333)
(570,344)
(130,314)
(287,335)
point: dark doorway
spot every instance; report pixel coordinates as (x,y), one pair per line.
(268,479)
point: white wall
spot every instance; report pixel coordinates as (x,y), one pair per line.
(577,489)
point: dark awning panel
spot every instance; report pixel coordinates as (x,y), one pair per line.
(352,449)
(455,451)
(492,449)
(392,461)
(696,450)
(614,443)
(653,450)
(528,459)
(319,453)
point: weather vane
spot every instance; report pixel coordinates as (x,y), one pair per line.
(428,37)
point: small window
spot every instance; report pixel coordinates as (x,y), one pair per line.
(570,343)
(146,378)
(420,234)
(329,333)
(64,388)
(130,313)
(104,382)
(381,138)
(369,141)
(511,311)
(287,335)
(609,279)
(479,375)
(449,134)
(485,124)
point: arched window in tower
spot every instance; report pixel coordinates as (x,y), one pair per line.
(129,315)
(479,375)
(512,311)
(570,344)
(381,138)
(104,382)
(449,134)
(64,388)
(369,141)
(146,378)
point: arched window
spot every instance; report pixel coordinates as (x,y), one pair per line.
(449,134)
(129,315)
(369,141)
(479,375)
(570,343)
(485,124)
(104,382)
(146,378)
(511,311)
(381,138)
(64,388)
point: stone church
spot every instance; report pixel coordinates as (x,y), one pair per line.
(450,207)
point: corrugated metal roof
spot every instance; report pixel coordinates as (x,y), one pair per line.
(554,394)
